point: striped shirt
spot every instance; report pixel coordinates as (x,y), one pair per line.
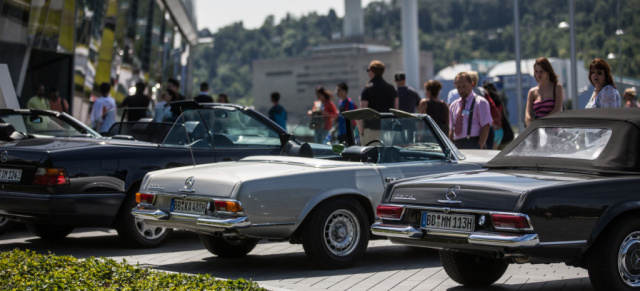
(543,107)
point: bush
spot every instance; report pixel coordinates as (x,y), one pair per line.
(27,270)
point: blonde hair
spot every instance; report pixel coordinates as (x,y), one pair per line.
(474,77)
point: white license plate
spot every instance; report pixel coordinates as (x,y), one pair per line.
(10,175)
(186,206)
(439,220)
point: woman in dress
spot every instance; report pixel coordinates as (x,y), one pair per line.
(605,94)
(546,98)
(434,107)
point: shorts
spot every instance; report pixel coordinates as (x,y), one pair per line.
(497,138)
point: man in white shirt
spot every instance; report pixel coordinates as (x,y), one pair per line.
(103,115)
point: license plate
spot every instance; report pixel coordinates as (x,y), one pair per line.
(10,175)
(439,220)
(186,206)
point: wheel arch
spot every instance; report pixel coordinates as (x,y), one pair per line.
(362,199)
(611,216)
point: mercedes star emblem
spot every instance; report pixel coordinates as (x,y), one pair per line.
(452,193)
(4,156)
(189,182)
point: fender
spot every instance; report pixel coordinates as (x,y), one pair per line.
(610,214)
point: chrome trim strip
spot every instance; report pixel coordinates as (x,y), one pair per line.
(228,223)
(186,190)
(396,231)
(455,202)
(273,224)
(151,214)
(557,243)
(504,240)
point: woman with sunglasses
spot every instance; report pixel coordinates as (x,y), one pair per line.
(605,93)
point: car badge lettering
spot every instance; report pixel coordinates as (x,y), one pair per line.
(452,193)
(405,197)
(156,187)
(189,182)
(4,156)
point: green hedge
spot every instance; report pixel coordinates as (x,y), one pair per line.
(27,270)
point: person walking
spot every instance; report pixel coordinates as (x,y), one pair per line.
(38,101)
(345,104)
(497,124)
(605,93)
(408,98)
(325,111)
(277,113)
(379,96)
(434,107)
(138,103)
(204,96)
(546,98)
(469,116)
(630,97)
(56,103)
(103,115)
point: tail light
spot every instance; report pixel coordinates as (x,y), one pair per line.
(51,177)
(227,206)
(144,198)
(510,221)
(389,211)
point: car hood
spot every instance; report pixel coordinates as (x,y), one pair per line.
(479,157)
(220,179)
(65,143)
(482,189)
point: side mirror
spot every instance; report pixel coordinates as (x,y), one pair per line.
(448,155)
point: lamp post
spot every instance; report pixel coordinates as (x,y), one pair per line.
(574,71)
(619,33)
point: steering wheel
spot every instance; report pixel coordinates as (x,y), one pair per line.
(375,140)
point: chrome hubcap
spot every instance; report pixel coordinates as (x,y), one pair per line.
(629,260)
(147,231)
(341,232)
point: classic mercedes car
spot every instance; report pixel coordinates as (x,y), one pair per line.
(55,184)
(322,195)
(566,190)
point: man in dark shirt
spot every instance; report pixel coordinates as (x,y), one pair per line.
(379,96)
(138,103)
(408,97)
(204,96)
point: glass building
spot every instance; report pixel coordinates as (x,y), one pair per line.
(75,45)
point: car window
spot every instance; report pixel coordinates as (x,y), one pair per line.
(41,125)
(563,142)
(189,130)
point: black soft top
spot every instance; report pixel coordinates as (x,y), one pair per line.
(620,156)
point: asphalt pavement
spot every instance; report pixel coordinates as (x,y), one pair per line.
(283,266)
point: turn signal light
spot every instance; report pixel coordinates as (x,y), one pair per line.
(144,198)
(228,206)
(508,221)
(389,211)
(51,177)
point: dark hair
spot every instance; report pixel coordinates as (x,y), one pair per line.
(204,86)
(105,88)
(546,66)
(53,89)
(174,82)
(434,87)
(173,94)
(320,90)
(275,96)
(600,64)
(226,98)
(343,86)
(399,76)
(377,67)
(493,92)
(140,88)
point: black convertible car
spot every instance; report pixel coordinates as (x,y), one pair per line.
(566,190)
(55,184)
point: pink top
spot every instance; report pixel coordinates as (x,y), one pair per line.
(481,116)
(543,107)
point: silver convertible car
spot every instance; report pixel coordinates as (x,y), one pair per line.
(323,196)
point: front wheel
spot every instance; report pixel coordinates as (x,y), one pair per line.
(614,260)
(228,247)
(472,270)
(49,231)
(337,234)
(135,232)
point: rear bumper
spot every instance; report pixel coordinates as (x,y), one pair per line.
(490,239)
(190,221)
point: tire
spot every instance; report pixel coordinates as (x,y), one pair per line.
(5,224)
(613,261)
(337,233)
(228,247)
(135,232)
(49,231)
(472,270)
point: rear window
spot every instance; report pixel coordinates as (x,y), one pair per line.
(563,142)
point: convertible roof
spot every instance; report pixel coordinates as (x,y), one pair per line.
(620,156)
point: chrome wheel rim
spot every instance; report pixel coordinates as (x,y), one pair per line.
(341,232)
(147,231)
(629,260)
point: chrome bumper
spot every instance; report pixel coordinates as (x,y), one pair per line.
(200,220)
(474,238)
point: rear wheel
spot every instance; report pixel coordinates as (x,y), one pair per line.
(614,260)
(135,232)
(5,224)
(472,270)
(226,247)
(337,233)
(49,231)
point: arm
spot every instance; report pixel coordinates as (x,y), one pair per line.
(484,133)
(528,113)
(396,104)
(559,100)
(363,104)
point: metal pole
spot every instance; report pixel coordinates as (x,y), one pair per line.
(410,46)
(516,17)
(574,71)
(619,33)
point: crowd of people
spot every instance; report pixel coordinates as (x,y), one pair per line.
(473,115)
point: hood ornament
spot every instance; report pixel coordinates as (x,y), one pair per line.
(451,195)
(189,182)
(4,156)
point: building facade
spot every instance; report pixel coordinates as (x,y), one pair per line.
(75,45)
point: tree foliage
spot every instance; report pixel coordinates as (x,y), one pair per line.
(455,31)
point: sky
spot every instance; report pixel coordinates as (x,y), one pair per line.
(213,14)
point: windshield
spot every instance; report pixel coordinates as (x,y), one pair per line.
(46,126)
(563,142)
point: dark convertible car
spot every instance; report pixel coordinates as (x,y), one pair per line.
(566,190)
(55,184)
